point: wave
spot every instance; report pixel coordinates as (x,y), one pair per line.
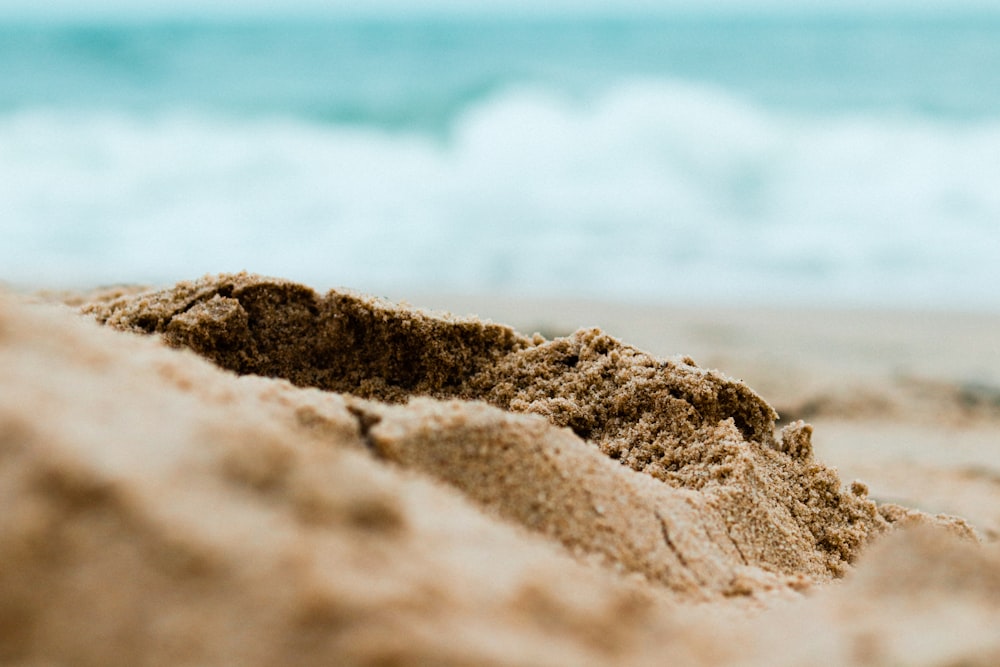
(650,189)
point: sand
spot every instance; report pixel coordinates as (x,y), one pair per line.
(907,401)
(239,470)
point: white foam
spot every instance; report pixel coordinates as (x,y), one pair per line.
(651,189)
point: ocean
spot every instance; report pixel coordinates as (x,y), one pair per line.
(776,159)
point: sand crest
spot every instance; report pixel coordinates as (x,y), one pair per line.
(737,501)
(379,484)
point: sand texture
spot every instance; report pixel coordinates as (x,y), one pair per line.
(281,477)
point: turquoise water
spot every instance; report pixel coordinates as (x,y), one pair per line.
(851,160)
(421,74)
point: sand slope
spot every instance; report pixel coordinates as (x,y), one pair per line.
(440,506)
(908,401)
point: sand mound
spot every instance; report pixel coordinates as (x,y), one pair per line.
(740,504)
(205,517)
(159,511)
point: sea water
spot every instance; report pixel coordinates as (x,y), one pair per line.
(776,159)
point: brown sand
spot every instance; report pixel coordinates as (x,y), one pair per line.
(433,490)
(907,401)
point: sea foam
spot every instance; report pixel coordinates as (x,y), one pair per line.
(651,188)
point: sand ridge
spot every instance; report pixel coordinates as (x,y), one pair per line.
(200,518)
(740,507)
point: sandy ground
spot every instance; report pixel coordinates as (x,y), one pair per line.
(241,471)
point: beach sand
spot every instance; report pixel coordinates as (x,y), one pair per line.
(239,470)
(907,401)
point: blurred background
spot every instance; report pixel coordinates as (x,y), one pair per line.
(716,153)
